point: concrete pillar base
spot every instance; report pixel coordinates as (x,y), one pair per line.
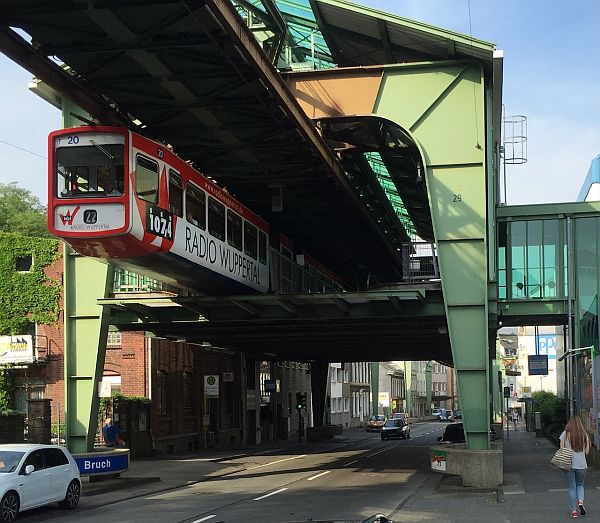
(477,468)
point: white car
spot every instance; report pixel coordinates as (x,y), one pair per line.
(35,475)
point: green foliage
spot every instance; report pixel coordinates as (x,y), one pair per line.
(7,413)
(141,400)
(6,388)
(27,297)
(21,212)
(552,410)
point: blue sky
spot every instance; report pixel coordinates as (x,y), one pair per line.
(551,75)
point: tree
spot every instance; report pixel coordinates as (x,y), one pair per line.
(21,212)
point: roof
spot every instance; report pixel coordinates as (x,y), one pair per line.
(197,79)
(593,176)
(358,35)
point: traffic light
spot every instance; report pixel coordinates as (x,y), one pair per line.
(300,400)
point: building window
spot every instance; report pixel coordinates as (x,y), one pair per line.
(24,263)
(187,387)
(114,339)
(161,393)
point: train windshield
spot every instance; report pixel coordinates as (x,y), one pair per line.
(89,170)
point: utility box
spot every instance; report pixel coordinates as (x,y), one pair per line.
(537,416)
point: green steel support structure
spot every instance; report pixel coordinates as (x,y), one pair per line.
(86,329)
(442,108)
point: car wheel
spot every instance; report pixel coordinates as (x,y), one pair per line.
(9,507)
(408,435)
(383,437)
(72,496)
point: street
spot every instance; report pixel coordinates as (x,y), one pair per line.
(349,480)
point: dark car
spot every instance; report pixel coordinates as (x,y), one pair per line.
(396,427)
(455,433)
(458,414)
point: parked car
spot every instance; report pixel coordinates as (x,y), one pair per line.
(375,423)
(436,412)
(396,427)
(458,414)
(455,433)
(35,475)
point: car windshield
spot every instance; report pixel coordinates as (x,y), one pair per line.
(9,460)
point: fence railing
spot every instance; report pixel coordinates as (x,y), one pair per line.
(419,261)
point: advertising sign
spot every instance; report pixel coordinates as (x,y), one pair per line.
(16,349)
(211,386)
(384,399)
(438,461)
(538,365)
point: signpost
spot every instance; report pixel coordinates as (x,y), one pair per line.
(507,395)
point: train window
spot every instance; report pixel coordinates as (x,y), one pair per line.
(89,171)
(195,206)
(262,247)
(250,238)
(175,193)
(146,183)
(234,230)
(216,218)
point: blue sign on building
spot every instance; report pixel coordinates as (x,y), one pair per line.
(538,365)
(546,344)
(102,463)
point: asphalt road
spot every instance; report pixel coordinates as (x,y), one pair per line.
(352,480)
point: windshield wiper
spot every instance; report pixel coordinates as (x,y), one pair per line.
(107,153)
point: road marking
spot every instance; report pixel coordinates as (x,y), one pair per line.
(345,465)
(378,452)
(514,492)
(204,519)
(277,461)
(559,489)
(319,475)
(270,494)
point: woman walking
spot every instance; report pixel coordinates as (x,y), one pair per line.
(574,437)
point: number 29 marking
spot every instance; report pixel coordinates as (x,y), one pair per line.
(457,198)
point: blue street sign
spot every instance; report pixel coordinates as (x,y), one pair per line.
(102,463)
(538,365)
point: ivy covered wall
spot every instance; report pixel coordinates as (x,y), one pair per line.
(27,295)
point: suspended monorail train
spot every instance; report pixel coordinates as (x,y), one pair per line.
(128,200)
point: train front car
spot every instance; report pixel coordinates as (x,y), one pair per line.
(88,190)
(129,201)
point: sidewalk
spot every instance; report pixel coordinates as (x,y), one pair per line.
(533,490)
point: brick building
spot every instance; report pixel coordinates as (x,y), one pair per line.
(168,372)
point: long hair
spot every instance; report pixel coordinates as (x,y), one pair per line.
(576,434)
